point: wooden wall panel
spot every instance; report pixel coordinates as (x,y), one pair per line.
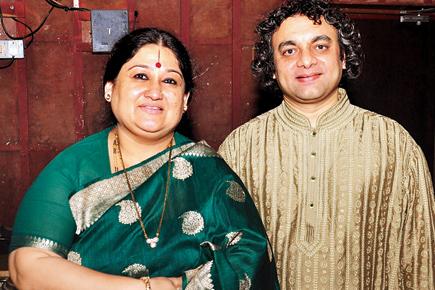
(210,109)
(9,132)
(164,14)
(211,21)
(54,97)
(50,93)
(10,177)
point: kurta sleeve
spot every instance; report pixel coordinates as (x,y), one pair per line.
(417,262)
(44,218)
(239,255)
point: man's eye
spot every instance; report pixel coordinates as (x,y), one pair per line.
(140,76)
(170,81)
(289,51)
(322,47)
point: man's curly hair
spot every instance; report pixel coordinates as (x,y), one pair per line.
(348,36)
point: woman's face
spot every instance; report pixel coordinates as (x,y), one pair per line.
(148,95)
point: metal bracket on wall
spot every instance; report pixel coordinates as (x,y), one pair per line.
(107,27)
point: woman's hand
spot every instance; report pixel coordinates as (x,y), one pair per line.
(164,283)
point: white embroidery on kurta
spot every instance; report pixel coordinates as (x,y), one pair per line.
(127,214)
(235,191)
(200,278)
(74,257)
(233,238)
(245,283)
(182,168)
(136,270)
(193,222)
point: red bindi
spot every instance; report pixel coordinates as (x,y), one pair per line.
(158,64)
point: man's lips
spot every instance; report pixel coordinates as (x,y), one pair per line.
(303,78)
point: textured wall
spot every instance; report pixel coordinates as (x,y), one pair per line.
(53,96)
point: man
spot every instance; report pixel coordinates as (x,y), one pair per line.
(345,194)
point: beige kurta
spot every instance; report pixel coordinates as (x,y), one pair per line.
(347,205)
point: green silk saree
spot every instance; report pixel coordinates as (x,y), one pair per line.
(211,233)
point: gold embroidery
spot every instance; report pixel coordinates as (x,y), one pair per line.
(235,191)
(201,149)
(193,223)
(200,278)
(127,214)
(245,283)
(90,203)
(74,257)
(233,238)
(182,168)
(42,243)
(136,270)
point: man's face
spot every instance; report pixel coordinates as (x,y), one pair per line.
(308,66)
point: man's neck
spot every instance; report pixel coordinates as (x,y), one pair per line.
(313,110)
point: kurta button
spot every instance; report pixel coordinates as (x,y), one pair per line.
(313,178)
(313,154)
(314,133)
(311,205)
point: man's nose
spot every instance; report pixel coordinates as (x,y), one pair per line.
(306,58)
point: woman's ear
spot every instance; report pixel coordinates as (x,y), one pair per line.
(186,101)
(108,89)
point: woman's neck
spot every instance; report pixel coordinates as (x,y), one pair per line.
(135,149)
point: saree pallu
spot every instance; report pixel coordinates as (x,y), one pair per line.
(211,233)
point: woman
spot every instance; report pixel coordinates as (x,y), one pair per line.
(139,200)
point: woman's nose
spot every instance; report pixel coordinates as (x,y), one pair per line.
(154,91)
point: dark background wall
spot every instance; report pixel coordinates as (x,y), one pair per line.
(53,97)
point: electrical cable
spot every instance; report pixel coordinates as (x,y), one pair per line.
(9,64)
(28,27)
(58,5)
(27,35)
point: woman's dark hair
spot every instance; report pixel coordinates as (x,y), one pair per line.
(348,37)
(127,47)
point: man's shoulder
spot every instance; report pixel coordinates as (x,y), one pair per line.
(255,123)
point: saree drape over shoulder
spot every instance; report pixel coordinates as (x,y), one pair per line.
(211,232)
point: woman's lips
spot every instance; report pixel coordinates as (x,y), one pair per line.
(151,109)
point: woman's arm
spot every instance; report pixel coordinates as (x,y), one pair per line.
(34,268)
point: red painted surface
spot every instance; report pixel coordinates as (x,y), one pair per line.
(54,96)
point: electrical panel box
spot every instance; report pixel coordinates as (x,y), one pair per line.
(11,49)
(108,26)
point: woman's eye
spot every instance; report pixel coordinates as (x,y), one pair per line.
(170,81)
(140,76)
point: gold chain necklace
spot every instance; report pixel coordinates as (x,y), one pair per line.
(152,242)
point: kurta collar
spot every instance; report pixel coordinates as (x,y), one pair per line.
(339,114)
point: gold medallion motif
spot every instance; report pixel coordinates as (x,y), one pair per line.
(193,223)
(136,270)
(245,283)
(235,191)
(127,214)
(233,238)
(200,278)
(182,168)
